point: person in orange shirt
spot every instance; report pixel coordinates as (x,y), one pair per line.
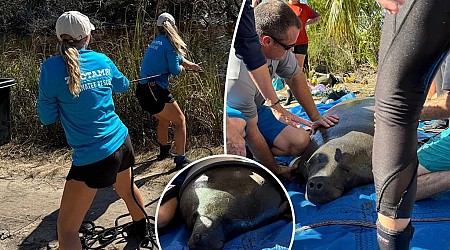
(307,16)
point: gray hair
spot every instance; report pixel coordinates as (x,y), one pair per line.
(274,18)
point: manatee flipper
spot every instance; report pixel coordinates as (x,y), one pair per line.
(284,211)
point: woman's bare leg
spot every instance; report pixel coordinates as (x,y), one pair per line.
(76,200)
(173,113)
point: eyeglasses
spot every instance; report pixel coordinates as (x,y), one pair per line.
(286,47)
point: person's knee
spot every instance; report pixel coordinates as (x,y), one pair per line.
(125,192)
(237,125)
(163,122)
(421,170)
(292,141)
(299,143)
(163,218)
(166,212)
(180,120)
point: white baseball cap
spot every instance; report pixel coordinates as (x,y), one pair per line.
(74,24)
(165,17)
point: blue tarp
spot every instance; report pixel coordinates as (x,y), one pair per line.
(275,236)
(346,223)
(349,222)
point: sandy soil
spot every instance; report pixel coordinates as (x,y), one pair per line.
(31,189)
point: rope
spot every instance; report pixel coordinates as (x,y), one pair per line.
(158,75)
(97,237)
(362,223)
(337,222)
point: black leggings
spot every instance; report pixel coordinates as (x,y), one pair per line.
(413,44)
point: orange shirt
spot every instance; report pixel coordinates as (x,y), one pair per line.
(304,12)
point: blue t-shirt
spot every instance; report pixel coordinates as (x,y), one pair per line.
(161,58)
(92,127)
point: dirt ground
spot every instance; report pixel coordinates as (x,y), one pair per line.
(363,86)
(31,189)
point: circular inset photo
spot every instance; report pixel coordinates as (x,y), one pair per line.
(224,202)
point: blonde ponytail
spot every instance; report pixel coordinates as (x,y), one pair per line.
(175,39)
(69,51)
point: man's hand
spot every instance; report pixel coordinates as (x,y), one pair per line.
(288,118)
(286,173)
(391,5)
(325,121)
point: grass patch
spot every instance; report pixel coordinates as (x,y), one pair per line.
(199,96)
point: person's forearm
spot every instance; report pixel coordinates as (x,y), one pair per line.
(437,108)
(391,5)
(313,20)
(187,63)
(432,183)
(261,150)
(261,78)
(300,89)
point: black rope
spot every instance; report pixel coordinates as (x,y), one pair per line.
(97,237)
(147,78)
(158,75)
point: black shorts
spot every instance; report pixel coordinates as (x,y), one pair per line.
(301,49)
(103,173)
(152,97)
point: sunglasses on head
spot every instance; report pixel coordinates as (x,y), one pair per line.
(286,47)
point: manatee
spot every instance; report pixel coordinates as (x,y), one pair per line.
(226,198)
(340,158)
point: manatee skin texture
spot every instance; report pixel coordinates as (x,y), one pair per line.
(225,202)
(340,158)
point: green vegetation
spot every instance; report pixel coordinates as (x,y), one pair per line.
(347,36)
(200,96)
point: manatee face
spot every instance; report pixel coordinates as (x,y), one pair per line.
(210,207)
(225,202)
(338,166)
(206,234)
(340,158)
(324,183)
(206,208)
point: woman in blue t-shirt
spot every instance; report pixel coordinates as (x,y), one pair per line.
(76,87)
(164,57)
